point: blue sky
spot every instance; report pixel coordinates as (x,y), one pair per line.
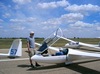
(76,18)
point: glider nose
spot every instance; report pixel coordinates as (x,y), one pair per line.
(35,57)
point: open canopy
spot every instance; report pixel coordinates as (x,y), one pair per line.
(50,40)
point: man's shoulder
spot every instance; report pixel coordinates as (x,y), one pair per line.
(29,38)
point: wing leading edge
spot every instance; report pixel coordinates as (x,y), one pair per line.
(81,53)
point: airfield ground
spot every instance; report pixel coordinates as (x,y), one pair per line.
(86,66)
(83,66)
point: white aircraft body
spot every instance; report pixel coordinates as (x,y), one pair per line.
(81,45)
(65,57)
(15,49)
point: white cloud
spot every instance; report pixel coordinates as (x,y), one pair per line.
(21,1)
(53,22)
(17,7)
(82,29)
(6,15)
(17,20)
(49,27)
(5,10)
(71,17)
(47,20)
(17,27)
(62,3)
(65,19)
(83,8)
(1,20)
(29,19)
(98,28)
(1,27)
(80,24)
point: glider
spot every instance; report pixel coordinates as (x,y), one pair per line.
(63,55)
(15,49)
(80,45)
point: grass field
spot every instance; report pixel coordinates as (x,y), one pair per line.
(6,42)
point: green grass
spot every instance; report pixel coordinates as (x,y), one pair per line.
(6,43)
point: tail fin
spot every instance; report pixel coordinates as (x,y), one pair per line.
(16,48)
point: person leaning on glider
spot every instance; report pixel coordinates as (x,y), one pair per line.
(31,47)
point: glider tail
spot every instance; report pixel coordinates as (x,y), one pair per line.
(16,48)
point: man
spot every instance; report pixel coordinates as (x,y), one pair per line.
(31,47)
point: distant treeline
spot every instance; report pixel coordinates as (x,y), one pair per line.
(6,42)
(19,38)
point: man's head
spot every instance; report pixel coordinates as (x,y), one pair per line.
(31,33)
